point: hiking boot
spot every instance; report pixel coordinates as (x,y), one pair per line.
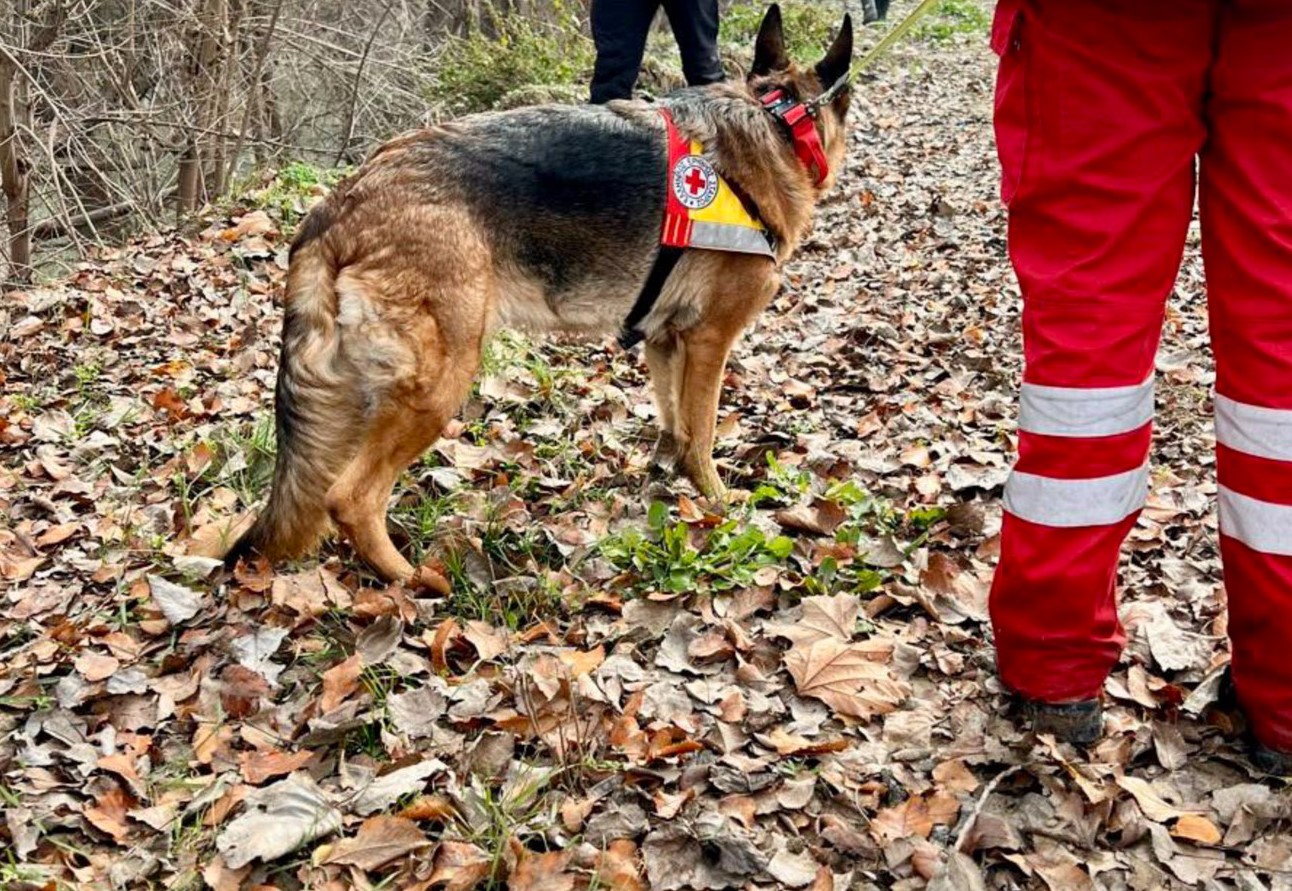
(1271,761)
(1080,723)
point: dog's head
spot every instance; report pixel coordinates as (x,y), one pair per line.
(823,88)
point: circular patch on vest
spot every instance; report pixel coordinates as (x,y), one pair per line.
(695,182)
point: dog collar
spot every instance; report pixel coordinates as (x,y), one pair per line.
(800,119)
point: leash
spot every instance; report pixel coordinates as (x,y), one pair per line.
(892,37)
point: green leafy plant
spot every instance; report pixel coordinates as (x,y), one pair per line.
(294,189)
(677,557)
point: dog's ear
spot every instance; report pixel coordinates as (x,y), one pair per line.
(838,59)
(769,48)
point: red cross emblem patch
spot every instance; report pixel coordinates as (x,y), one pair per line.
(695,182)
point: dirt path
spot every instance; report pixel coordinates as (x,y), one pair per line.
(623,691)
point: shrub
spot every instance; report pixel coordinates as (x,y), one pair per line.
(476,72)
(952,18)
(809,26)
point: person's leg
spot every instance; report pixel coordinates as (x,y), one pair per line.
(1246,205)
(1098,120)
(695,27)
(619,30)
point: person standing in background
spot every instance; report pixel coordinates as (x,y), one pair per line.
(620,28)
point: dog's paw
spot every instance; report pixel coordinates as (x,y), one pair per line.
(664,461)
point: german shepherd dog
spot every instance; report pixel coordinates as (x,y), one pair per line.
(545,218)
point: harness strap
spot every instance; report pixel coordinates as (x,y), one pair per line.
(798,119)
(630,335)
(673,240)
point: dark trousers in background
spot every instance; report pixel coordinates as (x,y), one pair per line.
(620,28)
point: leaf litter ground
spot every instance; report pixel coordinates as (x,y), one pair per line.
(620,689)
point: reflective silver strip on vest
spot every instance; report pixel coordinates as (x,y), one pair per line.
(1098,411)
(1261,525)
(1101,501)
(1253,430)
(724,237)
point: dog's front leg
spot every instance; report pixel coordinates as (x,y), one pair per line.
(663,358)
(703,357)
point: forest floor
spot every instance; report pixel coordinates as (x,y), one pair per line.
(623,690)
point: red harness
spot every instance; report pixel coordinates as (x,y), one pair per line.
(802,126)
(800,119)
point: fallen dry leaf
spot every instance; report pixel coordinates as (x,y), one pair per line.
(380,840)
(459,866)
(340,682)
(1197,829)
(280,818)
(845,678)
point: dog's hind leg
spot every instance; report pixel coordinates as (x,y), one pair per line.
(662,358)
(411,419)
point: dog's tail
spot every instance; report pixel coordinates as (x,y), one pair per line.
(317,409)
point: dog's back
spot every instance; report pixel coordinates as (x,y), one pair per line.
(568,201)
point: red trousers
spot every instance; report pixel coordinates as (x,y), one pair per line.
(1109,114)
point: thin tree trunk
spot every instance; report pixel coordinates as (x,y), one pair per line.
(15,115)
(258,87)
(15,178)
(204,82)
(190,178)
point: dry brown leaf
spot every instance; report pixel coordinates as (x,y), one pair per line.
(732,708)
(540,872)
(489,642)
(211,741)
(57,534)
(225,804)
(1196,829)
(741,808)
(339,682)
(459,866)
(575,811)
(380,840)
(844,678)
(821,517)
(581,662)
(96,666)
(219,877)
(712,646)
(1152,804)
(19,569)
(792,746)
(259,766)
(915,817)
(617,867)
(954,776)
(834,616)
(446,636)
(108,813)
(257,222)
(123,765)
(258,575)
(669,804)
(430,808)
